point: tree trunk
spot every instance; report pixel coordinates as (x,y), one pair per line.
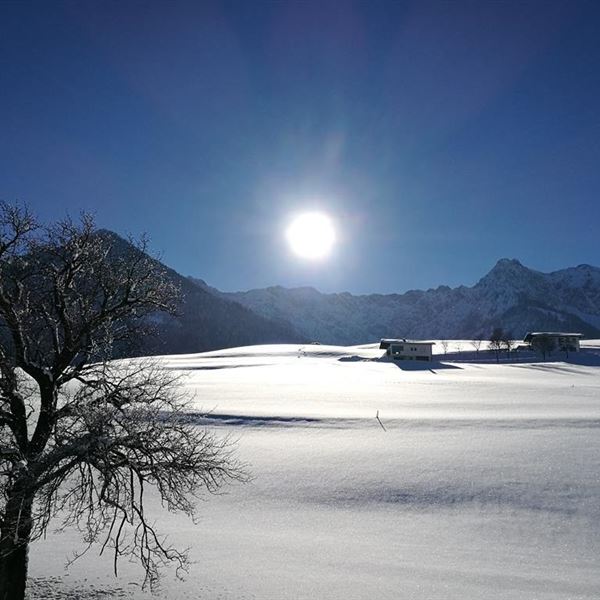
(13,573)
(15,530)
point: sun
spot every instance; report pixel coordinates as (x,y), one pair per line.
(311,235)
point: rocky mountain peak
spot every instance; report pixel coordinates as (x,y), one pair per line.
(511,295)
(508,272)
(509,266)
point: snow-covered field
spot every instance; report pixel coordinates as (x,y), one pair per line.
(485,483)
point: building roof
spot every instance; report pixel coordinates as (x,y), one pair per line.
(389,341)
(530,335)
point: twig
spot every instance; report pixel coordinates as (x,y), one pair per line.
(379,421)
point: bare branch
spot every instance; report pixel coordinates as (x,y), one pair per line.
(83,437)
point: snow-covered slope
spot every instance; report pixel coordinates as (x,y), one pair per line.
(483,485)
(204,320)
(510,295)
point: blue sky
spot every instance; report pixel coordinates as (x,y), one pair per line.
(439,136)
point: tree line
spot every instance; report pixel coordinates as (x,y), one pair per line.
(502,340)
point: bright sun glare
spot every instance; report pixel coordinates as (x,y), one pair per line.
(311,235)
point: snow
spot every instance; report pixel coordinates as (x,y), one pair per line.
(485,484)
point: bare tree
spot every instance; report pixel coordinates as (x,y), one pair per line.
(508,342)
(496,341)
(543,344)
(80,435)
(565,346)
(445,344)
(476,343)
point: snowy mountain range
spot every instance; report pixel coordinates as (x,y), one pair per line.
(511,296)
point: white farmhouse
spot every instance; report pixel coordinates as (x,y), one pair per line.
(407,349)
(560,341)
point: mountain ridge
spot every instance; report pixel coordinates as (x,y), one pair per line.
(205,320)
(510,295)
